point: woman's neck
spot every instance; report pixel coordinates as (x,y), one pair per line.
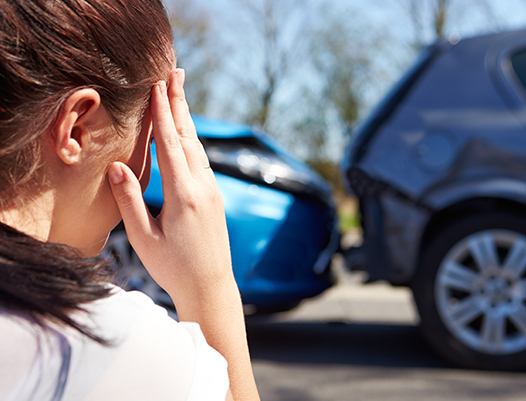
(31,215)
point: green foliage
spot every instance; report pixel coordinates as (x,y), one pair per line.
(348,220)
(329,170)
(346,205)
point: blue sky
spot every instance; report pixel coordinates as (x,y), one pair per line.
(390,18)
(371,19)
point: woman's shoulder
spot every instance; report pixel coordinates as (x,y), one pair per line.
(121,306)
(149,351)
(154,351)
(19,347)
(149,356)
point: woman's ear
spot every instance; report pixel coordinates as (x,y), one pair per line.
(70,135)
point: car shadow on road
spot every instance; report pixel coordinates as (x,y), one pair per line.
(384,345)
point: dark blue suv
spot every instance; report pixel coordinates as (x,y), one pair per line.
(440,172)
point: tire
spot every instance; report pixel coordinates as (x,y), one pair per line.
(131,274)
(271,309)
(470,291)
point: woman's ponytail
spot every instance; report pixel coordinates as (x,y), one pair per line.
(47,281)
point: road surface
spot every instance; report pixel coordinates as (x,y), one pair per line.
(360,342)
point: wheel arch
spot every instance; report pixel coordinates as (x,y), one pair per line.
(479,205)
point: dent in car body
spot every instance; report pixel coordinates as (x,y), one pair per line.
(457,134)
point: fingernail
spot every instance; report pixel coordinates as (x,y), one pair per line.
(162,87)
(115,174)
(180,76)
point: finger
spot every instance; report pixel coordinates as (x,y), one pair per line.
(170,154)
(193,149)
(127,192)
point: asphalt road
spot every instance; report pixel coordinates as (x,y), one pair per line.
(359,342)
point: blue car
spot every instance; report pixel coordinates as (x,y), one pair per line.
(280,217)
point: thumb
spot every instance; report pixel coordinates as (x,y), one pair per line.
(128,195)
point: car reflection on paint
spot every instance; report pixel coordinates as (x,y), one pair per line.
(280,218)
(440,172)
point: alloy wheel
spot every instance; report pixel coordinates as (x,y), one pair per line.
(131,272)
(480,291)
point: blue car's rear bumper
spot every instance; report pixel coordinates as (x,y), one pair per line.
(277,241)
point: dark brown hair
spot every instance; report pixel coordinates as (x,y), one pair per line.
(48,50)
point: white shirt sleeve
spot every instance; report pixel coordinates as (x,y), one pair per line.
(210,380)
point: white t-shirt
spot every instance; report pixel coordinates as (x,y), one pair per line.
(151,357)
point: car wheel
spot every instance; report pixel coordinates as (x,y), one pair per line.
(131,274)
(470,291)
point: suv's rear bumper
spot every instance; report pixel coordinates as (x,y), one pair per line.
(393,227)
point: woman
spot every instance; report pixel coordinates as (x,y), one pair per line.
(85,85)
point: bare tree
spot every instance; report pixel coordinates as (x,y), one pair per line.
(342,57)
(275,36)
(440,11)
(426,14)
(197,51)
(342,63)
(434,19)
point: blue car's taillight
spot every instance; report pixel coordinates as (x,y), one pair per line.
(252,160)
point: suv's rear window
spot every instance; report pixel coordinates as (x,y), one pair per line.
(518,61)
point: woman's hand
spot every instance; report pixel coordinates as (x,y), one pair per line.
(186,249)
(186,246)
